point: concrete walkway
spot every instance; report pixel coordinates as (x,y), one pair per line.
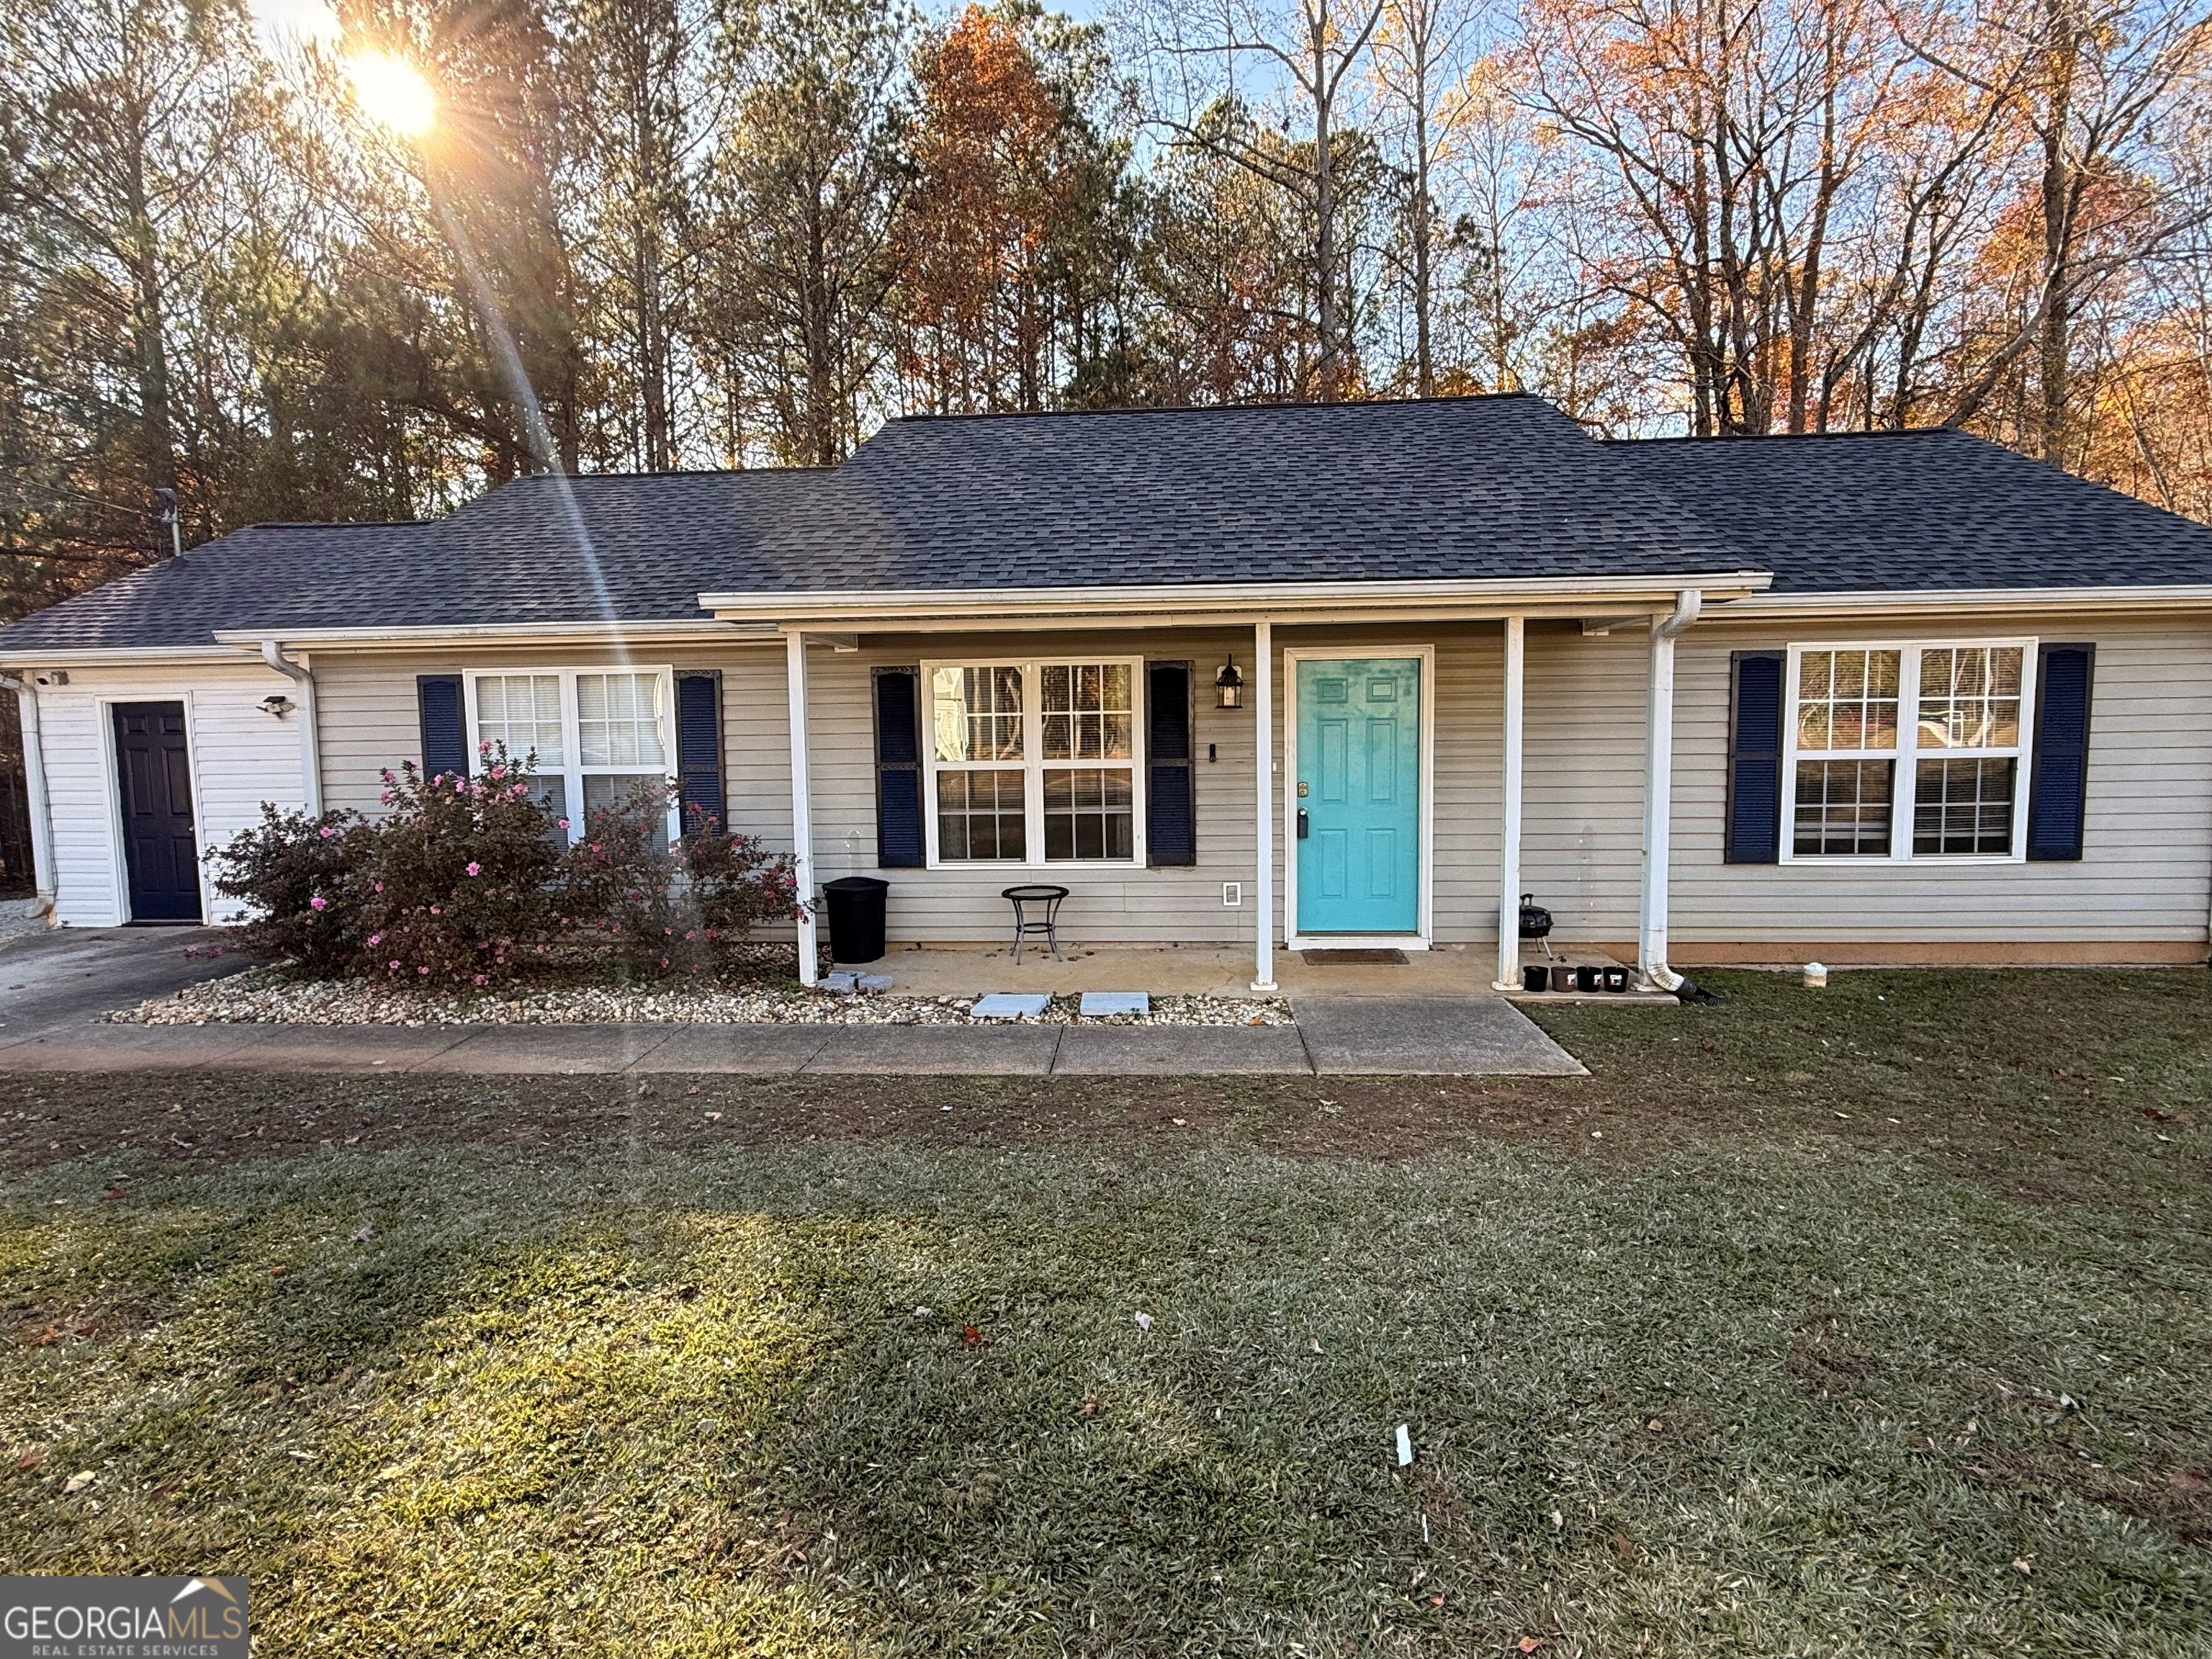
(54,986)
(1335,1036)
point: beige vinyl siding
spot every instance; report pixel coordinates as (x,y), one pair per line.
(241,757)
(1108,904)
(370,720)
(2144,877)
(2146,851)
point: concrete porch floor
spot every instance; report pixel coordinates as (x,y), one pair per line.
(1449,970)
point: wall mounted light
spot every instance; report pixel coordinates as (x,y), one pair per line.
(277,705)
(1229,686)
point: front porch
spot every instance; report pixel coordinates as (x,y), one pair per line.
(1358,784)
(1211,971)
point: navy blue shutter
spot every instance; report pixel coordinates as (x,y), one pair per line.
(1754,770)
(1170,799)
(898,769)
(444,731)
(2058,793)
(699,747)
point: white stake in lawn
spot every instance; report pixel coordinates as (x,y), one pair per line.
(1404,1445)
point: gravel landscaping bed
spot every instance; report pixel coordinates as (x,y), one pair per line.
(271,996)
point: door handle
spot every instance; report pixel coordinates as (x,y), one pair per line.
(1305,824)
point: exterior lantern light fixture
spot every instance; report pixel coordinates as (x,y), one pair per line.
(1229,686)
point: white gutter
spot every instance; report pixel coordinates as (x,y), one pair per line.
(1659,792)
(1277,600)
(701,630)
(2195,596)
(34,787)
(311,752)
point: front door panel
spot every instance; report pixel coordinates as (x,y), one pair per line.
(160,851)
(1359,788)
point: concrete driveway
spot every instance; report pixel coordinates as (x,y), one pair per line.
(65,978)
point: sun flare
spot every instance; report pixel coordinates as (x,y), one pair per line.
(391,92)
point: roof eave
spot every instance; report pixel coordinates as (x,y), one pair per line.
(1185,603)
(2180,596)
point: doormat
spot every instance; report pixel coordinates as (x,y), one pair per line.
(1345,959)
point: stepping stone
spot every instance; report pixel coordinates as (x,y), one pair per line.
(1097,1003)
(842,981)
(872,984)
(1010,1005)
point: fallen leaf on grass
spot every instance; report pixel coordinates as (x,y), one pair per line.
(1528,1644)
(1622,1546)
(29,1458)
(2021,1564)
(1144,1322)
(972,1336)
(2191,1483)
(77,1482)
(113,1194)
(363,1233)
(1091,1408)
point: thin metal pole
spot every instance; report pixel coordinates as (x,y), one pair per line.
(802,808)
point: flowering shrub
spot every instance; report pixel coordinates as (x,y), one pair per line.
(300,879)
(460,889)
(662,910)
(465,882)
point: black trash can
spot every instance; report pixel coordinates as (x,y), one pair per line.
(856,905)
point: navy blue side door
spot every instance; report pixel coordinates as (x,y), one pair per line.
(159,849)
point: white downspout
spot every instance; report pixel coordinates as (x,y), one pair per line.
(34,788)
(1509,812)
(310,747)
(802,807)
(1659,794)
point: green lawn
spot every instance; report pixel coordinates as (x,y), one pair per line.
(1871,1321)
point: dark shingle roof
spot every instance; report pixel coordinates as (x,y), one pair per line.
(1904,510)
(1457,488)
(515,555)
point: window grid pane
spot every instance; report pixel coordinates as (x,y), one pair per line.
(1847,699)
(1843,808)
(1090,711)
(522,711)
(1964,807)
(977,712)
(1089,813)
(980,816)
(618,720)
(1969,697)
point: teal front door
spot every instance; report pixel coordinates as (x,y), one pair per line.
(1358,814)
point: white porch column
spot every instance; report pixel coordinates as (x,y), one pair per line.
(1659,792)
(1263,719)
(802,810)
(1508,816)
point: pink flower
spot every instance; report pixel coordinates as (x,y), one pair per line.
(380,886)
(563,823)
(376,939)
(318,901)
(393,965)
(499,771)
(475,869)
(480,978)
(436,911)
(422,970)
(328,832)
(484,747)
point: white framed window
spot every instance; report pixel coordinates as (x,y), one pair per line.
(1906,751)
(1035,763)
(596,732)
